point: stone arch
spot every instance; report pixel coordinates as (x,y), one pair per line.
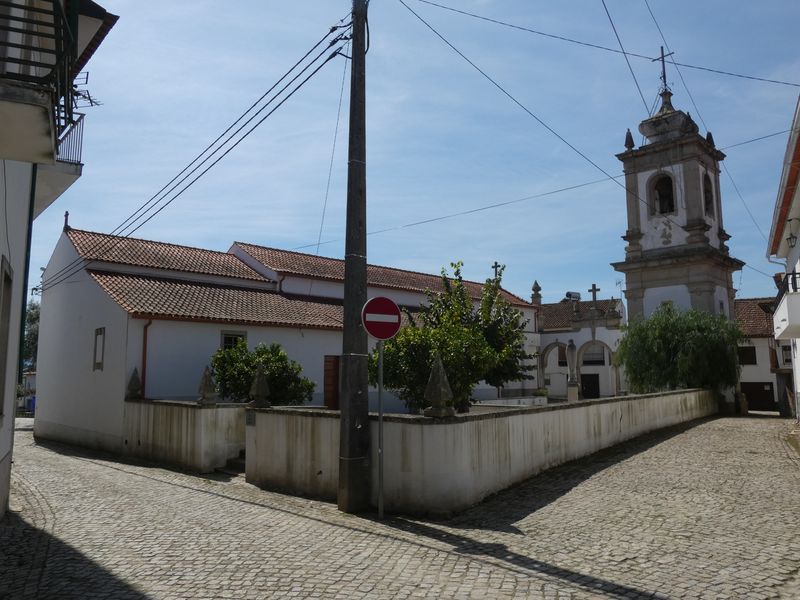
(662,198)
(708,196)
(611,354)
(544,354)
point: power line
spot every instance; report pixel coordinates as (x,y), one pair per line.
(627,61)
(604,48)
(528,111)
(470,211)
(162,194)
(77,264)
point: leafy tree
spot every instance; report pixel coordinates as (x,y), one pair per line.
(503,326)
(234,370)
(31,343)
(486,342)
(674,349)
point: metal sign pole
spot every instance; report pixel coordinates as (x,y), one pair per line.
(380,429)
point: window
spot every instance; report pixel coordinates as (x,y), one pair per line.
(663,198)
(787,354)
(229,339)
(594,355)
(747,355)
(99,348)
(562,356)
(708,196)
(5,318)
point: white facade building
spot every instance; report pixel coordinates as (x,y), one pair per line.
(44,44)
(783,245)
(766,364)
(164,310)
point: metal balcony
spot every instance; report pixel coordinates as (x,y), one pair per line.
(37,56)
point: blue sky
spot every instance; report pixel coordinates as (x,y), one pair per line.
(441,139)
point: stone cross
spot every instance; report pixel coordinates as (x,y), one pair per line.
(594,289)
(438,392)
(496,266)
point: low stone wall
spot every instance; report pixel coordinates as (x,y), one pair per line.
(447,465)
(185,434)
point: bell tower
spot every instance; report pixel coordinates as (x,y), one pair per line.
(676,249)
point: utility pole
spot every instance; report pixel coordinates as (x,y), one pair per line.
(354,444)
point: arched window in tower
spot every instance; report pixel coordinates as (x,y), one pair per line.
(708,196)
(663,196)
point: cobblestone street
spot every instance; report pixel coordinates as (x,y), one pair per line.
(709,510)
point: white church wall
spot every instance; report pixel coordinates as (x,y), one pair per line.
(15,210)
(721,301)
(178,351)
(677,294)
(77,402)
(658,230)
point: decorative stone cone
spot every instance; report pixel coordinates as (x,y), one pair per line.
(259,391)
(438,392)
(207,388)
(134,391)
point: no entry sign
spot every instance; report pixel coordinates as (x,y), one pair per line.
(381,318)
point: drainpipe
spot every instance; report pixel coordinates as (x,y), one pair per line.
(144,357)
(26,275)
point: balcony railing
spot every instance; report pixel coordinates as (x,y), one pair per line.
(70,142)
(37,46)
(790,283)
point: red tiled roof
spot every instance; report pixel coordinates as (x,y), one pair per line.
(754,316)
(322,267)
(559,314)
(151,297)
(158,255)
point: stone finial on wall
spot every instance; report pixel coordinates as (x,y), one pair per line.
(207,388)
(438,393)
(134,391)
(259,391)
(536,296)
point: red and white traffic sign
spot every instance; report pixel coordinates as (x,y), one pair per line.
(381,318)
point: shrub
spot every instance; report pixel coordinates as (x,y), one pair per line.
(234,370)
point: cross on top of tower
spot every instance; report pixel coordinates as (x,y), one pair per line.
(662,58)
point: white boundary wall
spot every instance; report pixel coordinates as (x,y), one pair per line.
(447,465)
(189,435)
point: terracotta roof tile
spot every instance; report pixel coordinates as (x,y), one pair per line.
(320,267)
(558,315)
(754,316)
(158,255)
(181,300)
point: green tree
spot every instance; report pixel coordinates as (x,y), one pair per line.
(31,342)
(480,343)
(503,326)
(234,370)
(674,349)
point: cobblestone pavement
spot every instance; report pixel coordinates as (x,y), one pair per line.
(708,510)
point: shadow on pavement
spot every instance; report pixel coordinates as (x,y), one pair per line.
(34,564)
(501,511)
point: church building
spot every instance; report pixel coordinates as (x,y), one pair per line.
(676,249)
